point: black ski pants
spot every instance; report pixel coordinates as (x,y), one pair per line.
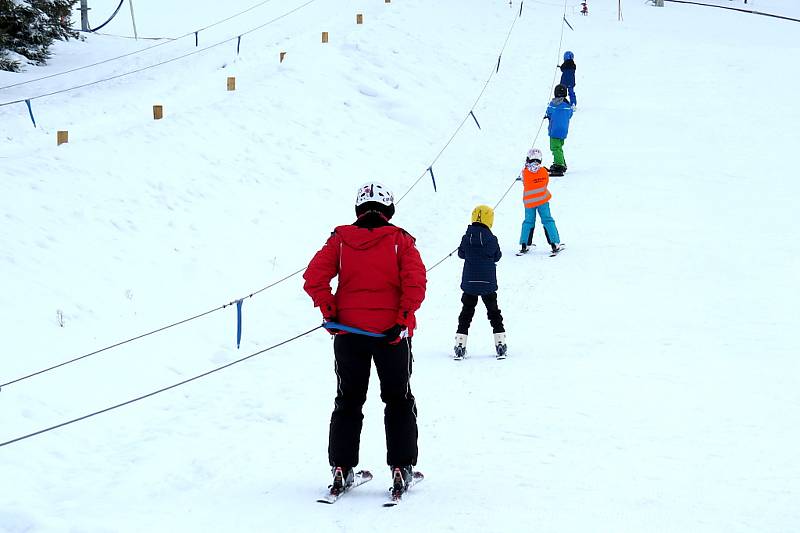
(354,355)
(469,302)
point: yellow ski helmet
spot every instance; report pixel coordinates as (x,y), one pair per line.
(483,214)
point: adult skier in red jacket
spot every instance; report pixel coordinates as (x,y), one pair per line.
(381,284)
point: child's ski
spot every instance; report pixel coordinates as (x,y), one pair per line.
(558,248)
(526,250)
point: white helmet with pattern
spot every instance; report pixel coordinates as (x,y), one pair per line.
(374,192)
(534,154)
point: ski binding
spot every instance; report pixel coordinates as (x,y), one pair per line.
(359,478)
(396,496)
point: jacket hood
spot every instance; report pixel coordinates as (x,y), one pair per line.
(558,100)
(365,238)
(477,234)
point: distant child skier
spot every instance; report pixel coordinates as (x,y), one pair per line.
(480,251)
(559,112)
(568,77)
(536,198)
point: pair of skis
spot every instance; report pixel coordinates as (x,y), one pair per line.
(364,476)
(553,253)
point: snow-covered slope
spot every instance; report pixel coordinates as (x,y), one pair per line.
(651,382)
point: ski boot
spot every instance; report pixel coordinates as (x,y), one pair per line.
(556,248)
(524,249)
(500,345)
(402,477)
(460,348)
(557,170)
(342,479)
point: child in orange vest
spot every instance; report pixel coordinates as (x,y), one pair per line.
(536,197)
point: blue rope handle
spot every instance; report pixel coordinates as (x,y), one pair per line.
(350,329)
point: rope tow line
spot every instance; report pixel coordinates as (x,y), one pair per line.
(101,26)
(159,391)
(150,332)
(560,43)
(494,71)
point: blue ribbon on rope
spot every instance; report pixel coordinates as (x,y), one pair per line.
(568,24)
(430,169)
(30,112)
(238,43)
(498,64)
(350,329)
(238,323)
(520,8)
(195,39)
(475,119)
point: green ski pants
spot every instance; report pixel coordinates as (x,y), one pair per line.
(557,147)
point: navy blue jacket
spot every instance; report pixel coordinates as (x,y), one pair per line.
(568,73)
(480,251)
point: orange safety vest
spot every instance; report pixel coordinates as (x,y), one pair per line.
(535,184)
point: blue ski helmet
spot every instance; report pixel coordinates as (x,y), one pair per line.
(568,55)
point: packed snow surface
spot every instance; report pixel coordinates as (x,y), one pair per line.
(652,377)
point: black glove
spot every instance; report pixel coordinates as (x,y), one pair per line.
(395,334)
(329,315)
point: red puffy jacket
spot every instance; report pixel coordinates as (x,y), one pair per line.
(381,277)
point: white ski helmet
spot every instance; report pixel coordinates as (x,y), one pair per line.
(534,154)
(374,192)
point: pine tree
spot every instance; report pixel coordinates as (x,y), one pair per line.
(29,27)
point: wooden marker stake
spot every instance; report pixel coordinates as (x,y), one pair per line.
(283,54)
(359,18)
(324,37)
(62,137)
(231,83)
(158,112)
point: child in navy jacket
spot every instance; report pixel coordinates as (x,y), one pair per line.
(480,251)
(568,77)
